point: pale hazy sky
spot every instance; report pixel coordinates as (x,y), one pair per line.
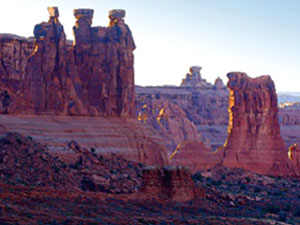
(254,36)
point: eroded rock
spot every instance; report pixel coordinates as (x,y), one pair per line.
(94,77)
(173,182)
(194,79)
(254,142)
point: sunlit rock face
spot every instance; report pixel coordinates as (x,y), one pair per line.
(254,142)
(94,77)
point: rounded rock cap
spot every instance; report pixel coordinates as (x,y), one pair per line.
(116,13)
(83,12)
(53,11)
(195,69)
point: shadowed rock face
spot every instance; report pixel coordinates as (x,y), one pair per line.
(94,77)
(254,142)
(195,155)
(174,182)
(169,120)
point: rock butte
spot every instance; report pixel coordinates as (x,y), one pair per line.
(174,182)
(93,77)
(49,76)
(254,142)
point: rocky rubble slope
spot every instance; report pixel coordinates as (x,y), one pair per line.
(27,162)
(232,196)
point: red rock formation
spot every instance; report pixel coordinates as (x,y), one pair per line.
(14,51)
(289,114)
(128,137)
(173,182)
(104,64)
(195,155)
(169,120)
(254,142)
(194,79)
(219,84)
(95,77)
(294,156)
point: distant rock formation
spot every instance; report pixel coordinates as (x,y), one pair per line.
(196,156)
(92,78)
(219,84)
(289,113)
(182,109)
(169,120)
(194,79)
(173,182)
(254,142)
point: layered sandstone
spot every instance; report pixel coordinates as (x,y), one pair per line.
(289,114)
(49,76)
(173,182)
(254,142)
(196,156)
(107,135)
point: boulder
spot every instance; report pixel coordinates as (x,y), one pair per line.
(172,182)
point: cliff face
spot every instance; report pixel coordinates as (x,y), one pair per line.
(49,79)
(254,142)
(93,77)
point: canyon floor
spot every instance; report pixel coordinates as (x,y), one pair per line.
(231,197)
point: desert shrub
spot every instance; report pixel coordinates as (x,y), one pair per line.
(56,169)
(296,213)
(216,182)
(243,187)
(282,216)
(257,190)
(197,177)
(273,209)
